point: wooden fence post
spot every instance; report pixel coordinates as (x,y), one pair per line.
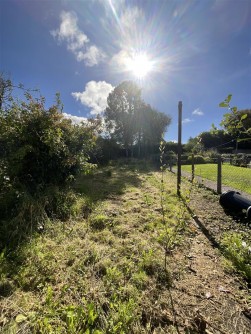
(179,147)
(219,174)
(192,167)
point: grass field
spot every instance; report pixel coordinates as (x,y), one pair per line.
(232,176)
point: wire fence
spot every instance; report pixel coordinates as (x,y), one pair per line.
(219,173)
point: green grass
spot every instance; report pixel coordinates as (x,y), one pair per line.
(237,248)
(92,273)
(103,270)
(232,176)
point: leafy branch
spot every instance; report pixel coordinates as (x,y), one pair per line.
(235,122)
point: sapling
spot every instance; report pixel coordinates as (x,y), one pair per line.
(170,234)
(171,229)
(163,220)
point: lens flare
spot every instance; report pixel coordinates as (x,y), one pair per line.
(139,65)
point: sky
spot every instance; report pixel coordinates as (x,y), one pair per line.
(194,51)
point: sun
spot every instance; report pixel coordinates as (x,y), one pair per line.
(139,65)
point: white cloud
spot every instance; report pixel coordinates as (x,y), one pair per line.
(130,17)
(120,17)
(94,96)
(70,32)
(75,119)
(120,59)
(93,56)
(77,41)
(198,112)
(187,120)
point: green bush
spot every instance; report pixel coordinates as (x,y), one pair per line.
(238,251)
(198,159)
(209,160)
(240,159)
(41,152)
(40,147)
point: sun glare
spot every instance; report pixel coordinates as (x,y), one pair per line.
(139,65)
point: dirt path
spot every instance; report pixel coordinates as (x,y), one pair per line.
(208,294)
(205,298)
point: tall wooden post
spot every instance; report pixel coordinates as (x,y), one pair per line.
(179,147)
(192,167)
(219,175)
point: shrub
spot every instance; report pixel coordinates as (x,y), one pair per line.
(41,152)
(240,160)
(238,251)
(40,147)
(198,159)
(209,160)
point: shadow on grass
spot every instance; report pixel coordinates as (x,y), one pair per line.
(202,227)
(106,182)
(239,218)
(112,180)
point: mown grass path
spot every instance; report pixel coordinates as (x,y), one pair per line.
(104,271)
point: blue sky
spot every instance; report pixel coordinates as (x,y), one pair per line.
(197,52)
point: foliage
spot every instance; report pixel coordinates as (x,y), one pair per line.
(217,139)
(237,129)
(171,228)
(193,145)
(5,90)
(40,148)
(171,146)
(132,122)
(106,149)
(151,125)
(41,153)
(238,251)
(236,122)
(170,158)
(122,106)
(240,159)
(197,159)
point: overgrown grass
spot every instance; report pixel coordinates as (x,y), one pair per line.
(102,271)
(232,176)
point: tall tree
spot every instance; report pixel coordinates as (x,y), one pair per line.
(133,122)
(153,125)
(216,139)
(5,89)
(123,104)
